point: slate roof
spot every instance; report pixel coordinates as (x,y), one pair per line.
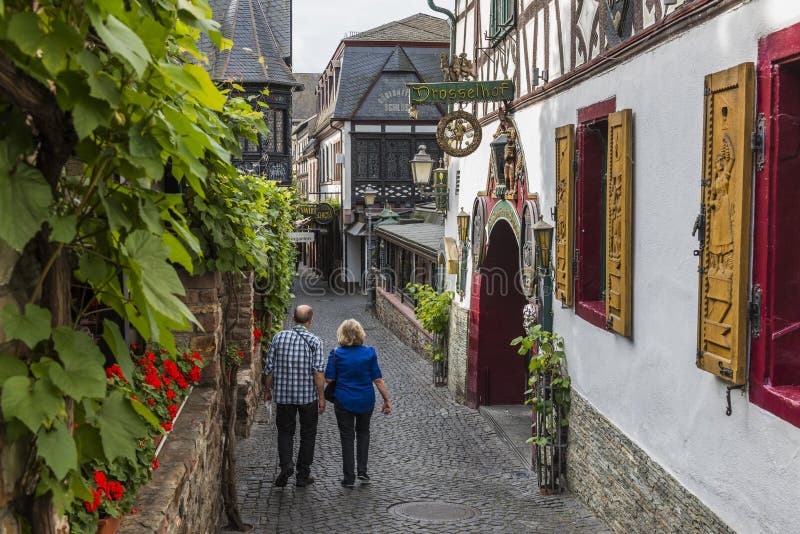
(417,28)
(364,70)
(304,103)
(261,35)
(422,237)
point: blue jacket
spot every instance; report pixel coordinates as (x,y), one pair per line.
(355,369)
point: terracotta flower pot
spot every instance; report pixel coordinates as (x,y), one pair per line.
(108,525)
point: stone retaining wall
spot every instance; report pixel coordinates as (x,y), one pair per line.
(185,494)
(457,343)
(400,319)
(623,485)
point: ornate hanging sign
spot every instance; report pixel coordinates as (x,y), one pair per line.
(459,133)
(454,92)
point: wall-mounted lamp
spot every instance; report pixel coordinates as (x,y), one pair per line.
(540,76)
(421,166)
(543,235)
(462,221)
(440,189)
(498,148)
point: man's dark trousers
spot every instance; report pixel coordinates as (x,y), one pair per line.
(285,419)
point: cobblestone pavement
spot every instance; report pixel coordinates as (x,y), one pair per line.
(430,449)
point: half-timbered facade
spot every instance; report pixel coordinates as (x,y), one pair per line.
(659,138)
(364,134)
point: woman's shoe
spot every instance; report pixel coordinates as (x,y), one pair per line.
(348,484)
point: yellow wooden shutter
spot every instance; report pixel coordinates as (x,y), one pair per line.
(619,219)
(725,250)
(565,214)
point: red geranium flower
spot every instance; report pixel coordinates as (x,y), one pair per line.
(115,491)
(151,402)
(171,394)
(167,425)
(257,335)
(182,383)
(101,481)
(173,410)
(155,464)
(171,369)
(194,374)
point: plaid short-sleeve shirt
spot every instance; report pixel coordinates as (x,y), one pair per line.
(293,357)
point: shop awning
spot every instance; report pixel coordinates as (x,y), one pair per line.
(357,229)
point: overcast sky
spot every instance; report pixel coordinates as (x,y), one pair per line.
(319,25)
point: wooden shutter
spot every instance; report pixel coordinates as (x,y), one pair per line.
(619,219)
(725,212)
(565,212)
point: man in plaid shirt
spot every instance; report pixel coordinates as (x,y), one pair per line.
(294,367)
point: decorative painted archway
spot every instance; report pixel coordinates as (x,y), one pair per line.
(502,280)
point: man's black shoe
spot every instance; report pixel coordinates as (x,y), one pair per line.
(303,482)
(364,478)
(346,484)
(283,478)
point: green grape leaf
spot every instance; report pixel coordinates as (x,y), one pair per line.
(33,402)
(11,366)
(82,374)
(31,327)
(57,447)
(63,228)
(25,200)
(146,413)
(123,42)
(120,428)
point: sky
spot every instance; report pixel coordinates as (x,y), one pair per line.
(319,25)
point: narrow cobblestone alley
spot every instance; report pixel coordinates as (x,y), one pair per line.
(430,450)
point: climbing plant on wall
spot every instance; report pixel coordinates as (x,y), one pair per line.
(99,101)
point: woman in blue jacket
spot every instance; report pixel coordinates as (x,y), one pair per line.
(355,369)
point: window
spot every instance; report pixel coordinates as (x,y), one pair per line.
(502,18)
(601,259)
(275,140)
(775,354)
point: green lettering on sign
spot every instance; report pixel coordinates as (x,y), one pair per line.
(450,92)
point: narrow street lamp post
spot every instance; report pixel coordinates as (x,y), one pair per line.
(369,201)
(543,235)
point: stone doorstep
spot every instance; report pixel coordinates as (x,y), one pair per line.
(160,499)
(513,426)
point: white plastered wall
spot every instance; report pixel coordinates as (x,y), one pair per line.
(745,467)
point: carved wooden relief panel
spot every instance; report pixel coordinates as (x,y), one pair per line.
(725,223)
(565,215)
(619,219)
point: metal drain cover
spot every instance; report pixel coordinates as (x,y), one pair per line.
(436,511)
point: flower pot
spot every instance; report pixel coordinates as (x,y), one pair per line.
(108,525)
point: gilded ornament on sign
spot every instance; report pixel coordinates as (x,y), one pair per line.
(460,69)
(459,133)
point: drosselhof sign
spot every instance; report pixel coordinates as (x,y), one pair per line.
(449,92)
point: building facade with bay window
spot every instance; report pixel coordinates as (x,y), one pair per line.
(260,59)
(364,136)
(660,140)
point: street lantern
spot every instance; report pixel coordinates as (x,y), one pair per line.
(543,234)
(462,219)
(421,166)
(369,196)
(498,148)
(440,191)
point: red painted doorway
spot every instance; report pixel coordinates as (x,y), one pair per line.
(500,373)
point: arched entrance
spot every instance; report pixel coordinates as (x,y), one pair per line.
(499,374)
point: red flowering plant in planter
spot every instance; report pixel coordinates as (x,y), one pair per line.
(158,384)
